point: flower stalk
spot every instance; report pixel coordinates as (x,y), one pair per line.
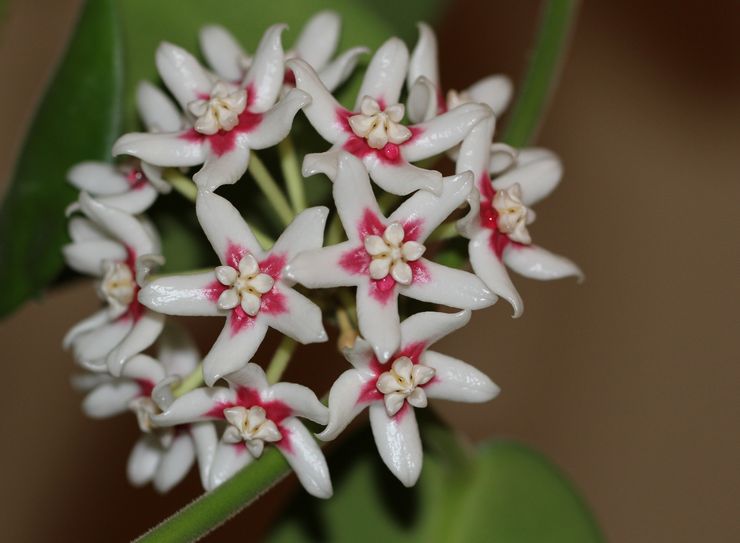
(270,188)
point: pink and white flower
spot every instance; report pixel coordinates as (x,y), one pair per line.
(383,256)
(500,214)
(316,44)
(228,119)
(392,390)
(117,248)
(162,456)
(256,414)
(248,288)
(426,97)
(374,130)
(133,186)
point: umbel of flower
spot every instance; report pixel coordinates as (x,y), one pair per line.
(161,456)
(113,246)
(392,390)
(316,44)
(133,186)
(248,288)
(427,99)
(500,214)
(374,131)
(383,256)
(228,119)
(257,415)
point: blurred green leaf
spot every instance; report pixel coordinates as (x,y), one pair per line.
(502,492)
(78,120)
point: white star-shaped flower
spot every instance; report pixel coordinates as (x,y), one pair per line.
(257,414)
(115,247)
(374,131)
(228,120)
(248,288)
(383,256)
(391,390)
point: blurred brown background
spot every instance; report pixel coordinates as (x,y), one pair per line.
(629,381)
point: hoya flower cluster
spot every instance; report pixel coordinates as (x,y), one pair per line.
(222,410)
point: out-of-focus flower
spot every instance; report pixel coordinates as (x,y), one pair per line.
(248,288)
(500,213)
(257,414)
(228,119)
(374,130)
(383,257)
(115,247)
(316,44)
(391,390)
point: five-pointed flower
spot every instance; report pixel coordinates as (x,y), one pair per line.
(426,97)
(383,257)
(412,375)
(228,119)
(374,130)
(500,213)
(112,245)
(316,44)
(248,288)
(257,414)
(162,456)
(131,187)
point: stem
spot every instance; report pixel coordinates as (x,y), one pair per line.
(214,508)
(191,382)
(558,18)
(270,189)
(262,238)
(280,359)
(444,231)
(181,183)
(292,174)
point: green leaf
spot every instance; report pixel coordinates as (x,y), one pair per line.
(501,492)
(78,120)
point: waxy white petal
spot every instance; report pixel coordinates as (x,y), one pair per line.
(181,295)
(402,178)
(475,151)
(537,172)
(277,122)
(305,232)
(232,351)
(85,325)
(121,225)
(109,399)
(538,263)
(422,102)
(177,351)
(226,168)
(175,464)
(132,202)
(325,163)
(492,271)
(143,368)
(142,335)
(99,178)
(224,226)
(428,327)
(353,194)
(250,376)
(385,74)
(205,441)
(91,348)
(495,91)
(398,442)
(222,52)
(424,61)
(227,460)
(322,111)
(156,110)
(302,321)
(306,459)
(87,257)
(168,149)
(265,76)
(457,381)
(379,321)
(320,268)
(444,131)
(301,400)
(182,73)
(83,229)
(344,403)
(143,461)
(318,39)
(450,287)
(337,71)
(194,406)
(431,210)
